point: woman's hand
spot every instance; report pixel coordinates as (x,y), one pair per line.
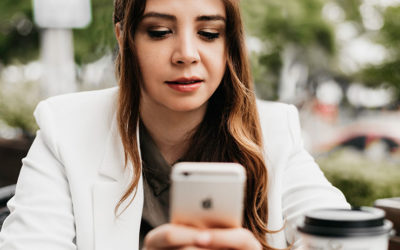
(235,238)
(182,237)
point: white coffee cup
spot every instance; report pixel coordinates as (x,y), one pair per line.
(345,229)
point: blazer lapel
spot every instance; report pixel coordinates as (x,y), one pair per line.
(113,231)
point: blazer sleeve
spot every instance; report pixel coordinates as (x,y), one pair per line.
(304,185)
(41,215)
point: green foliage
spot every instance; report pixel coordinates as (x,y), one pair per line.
(273,61)
(17,44)
(280,24)
(19,39)
(266,83)
(361,180)
(389,71)
(17,103)
(351,9)
(253,12)
(298,22)
(390,30)
(98,38)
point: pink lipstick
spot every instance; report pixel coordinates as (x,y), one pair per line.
(185,84)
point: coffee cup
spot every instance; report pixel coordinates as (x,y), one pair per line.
(363,228)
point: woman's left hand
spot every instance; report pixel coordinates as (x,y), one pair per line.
(237,238)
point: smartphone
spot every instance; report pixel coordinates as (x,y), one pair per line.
(207,195)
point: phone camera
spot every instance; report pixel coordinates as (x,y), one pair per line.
(186,173)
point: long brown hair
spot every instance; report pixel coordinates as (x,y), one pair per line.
(230,130)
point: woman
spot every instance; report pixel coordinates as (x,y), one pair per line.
(96,176)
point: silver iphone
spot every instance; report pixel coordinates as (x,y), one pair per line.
(207,195)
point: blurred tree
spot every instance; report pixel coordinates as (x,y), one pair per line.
(291,32)
(300,24)
(98,38)
(19,39)
(351,9)
(388,72)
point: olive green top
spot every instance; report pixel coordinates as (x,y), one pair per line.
(156,183)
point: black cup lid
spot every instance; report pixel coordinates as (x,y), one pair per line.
(362,221)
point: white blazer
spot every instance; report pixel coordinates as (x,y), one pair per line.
(73,177)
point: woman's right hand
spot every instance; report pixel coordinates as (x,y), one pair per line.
(171,236)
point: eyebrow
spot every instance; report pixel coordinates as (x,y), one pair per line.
(173,18)
(210,18)
(159,15)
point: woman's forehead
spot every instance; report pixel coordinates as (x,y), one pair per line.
(186,7)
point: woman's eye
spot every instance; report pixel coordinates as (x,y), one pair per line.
(158,33)
(209,35)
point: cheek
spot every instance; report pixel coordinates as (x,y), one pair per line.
(151,57)
(219,61)
(215,59)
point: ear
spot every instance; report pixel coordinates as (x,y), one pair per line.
(118,33)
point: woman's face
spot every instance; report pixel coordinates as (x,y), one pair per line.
(181,51)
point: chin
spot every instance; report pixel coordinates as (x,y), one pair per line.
(187,106)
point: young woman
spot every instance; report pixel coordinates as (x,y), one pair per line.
(97,175)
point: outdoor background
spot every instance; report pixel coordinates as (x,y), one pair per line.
(338,61)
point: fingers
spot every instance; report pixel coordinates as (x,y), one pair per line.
(238,238)
(192,248)
(170,236)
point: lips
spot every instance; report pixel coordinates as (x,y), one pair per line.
(185,81)
(185,84)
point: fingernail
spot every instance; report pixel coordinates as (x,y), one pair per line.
(203,238)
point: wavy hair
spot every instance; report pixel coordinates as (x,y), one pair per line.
(230,130)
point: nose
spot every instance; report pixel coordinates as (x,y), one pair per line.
(185,51)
